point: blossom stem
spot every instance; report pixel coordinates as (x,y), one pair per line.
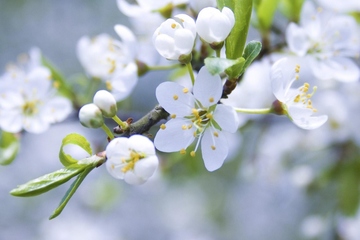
(218,52)
(107,131)
(254,111)
(165,67)
(122,124)
(191,72)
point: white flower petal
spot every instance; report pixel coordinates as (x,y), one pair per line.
(124,81)
(117,148)
(56,109)
(207,88)
(35,124)
(303,118)
(214,149)
(184,41)
(131,178)
(297,39)
(173,138)
(146,167)
(173,99)
(226,117)
(11,121)
(141,144)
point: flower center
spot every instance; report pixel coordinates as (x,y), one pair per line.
(303,97)
(30,108)
(201,118)
(129,164)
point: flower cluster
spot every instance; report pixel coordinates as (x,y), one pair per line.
(29,99)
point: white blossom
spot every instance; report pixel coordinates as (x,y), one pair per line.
(198,5)
(296,103)
(111,60)
(90,116)
(132,159)
(175,37)
(214,26)
(327,40)
(28,97)
(106,103)
(198,116)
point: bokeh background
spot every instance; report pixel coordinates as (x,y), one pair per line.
(257,200)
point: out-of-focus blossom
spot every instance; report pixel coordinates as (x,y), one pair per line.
(132,159)
(296,103)
(198,5)
(348,227)
(327,40)
(341,6)
(28,97)
(196,115)
(175,38)
(214,26)
(313,226)
(111,60)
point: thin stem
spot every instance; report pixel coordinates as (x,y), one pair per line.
(165,67)
(107,131)
(122,124)
(191,72)
(254,111)
(218,51)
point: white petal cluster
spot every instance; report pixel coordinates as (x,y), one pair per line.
(327,40)
(132,159)
(198,116)
(175,37)
(296,102)
(214,26)
(111,60)
(28,97)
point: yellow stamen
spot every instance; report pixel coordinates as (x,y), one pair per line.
(175,97)
(216,134)
(183,151)
(211,99)
(213,147)
(192,153)
(185,90)
(163,126)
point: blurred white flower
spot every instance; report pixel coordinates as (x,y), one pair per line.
(132,159)
(302,176)
(28,98)
(198,5)
(347,6)
(111,60)
(175,37)
(327,40)
(296,103)
(313,226)
(348,227)
(214,26)
(196,115)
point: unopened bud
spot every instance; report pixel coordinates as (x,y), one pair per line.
(90,116)
(106,102)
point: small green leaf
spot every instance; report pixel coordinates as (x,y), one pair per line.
(77,139)
(59,80)
(236,70)
(235,42)
(251,51)
(219,65)
(265,10)
(70,192)
(47,182)
(9,147)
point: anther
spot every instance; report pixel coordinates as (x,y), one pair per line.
(163,126)
(185,90)
(175,97)
(192,153)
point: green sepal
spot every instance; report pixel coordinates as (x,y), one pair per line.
(76,139)
(265,10)
(236,70)
(235,42)
(219,65)
(9,147)
(59,81)
(47,182)
(251,51)
(70,192)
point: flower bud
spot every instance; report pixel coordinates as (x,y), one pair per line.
(90,116)
(214,26)
(106,102)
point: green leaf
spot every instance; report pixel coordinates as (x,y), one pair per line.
(235,42)
(265,10)
(252,50)
(219,65)
(70,192)
(59,80)
(236,70)
(9,147)
(76,139)
(47,182)
(291,9)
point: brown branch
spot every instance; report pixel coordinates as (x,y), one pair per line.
(144,124)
